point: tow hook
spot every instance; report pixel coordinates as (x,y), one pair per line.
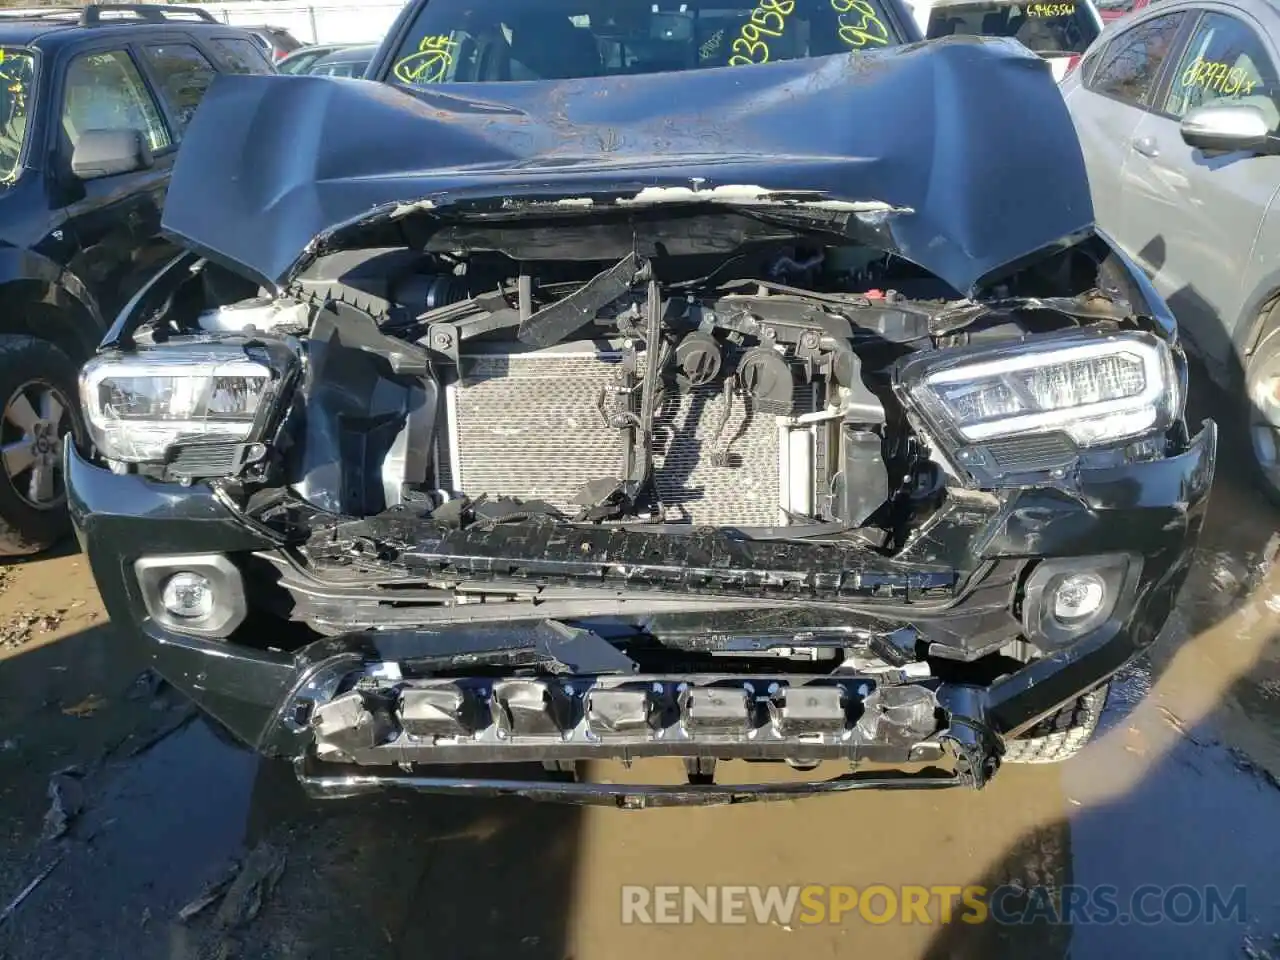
(977,747)
(977,751)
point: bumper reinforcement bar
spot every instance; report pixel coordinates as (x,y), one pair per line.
(627,796)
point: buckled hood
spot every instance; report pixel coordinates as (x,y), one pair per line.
(958,155)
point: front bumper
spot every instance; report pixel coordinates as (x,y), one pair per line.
(354,709)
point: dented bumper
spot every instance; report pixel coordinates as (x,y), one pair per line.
(369,709)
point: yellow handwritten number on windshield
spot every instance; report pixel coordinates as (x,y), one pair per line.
(429,64)
(767,20)
(869,28)
(1051,9)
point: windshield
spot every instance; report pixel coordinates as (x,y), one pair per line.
(1045,28)
(17,75)
(486,40)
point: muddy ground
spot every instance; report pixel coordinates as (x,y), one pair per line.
(152,809)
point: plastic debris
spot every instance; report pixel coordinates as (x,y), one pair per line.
(243,890)
(66,796)
(86,707)
(208,896)
(262,870)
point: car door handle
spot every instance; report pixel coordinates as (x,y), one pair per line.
(1146,146)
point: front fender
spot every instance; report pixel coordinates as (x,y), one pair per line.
(70,316)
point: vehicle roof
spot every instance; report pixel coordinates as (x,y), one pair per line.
(58,29)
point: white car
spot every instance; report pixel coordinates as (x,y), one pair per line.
(1060,31)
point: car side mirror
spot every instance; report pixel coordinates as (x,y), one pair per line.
(105,153)
(1227,127)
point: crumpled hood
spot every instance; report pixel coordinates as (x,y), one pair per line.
(959,151)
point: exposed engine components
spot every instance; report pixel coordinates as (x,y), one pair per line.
(422,292)
(262,314)
(698,360)
(766,378)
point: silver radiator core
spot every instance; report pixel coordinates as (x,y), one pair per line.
(526,424)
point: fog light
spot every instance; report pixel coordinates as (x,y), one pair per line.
(1068,597)
(1078,596)
(188,595)
(199,594)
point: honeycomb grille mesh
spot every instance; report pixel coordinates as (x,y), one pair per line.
(528,426)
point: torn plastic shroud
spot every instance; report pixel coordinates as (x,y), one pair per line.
(958,155)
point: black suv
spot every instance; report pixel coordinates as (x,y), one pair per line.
(93,106)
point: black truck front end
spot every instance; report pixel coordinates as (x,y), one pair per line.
(899,664)
(821,443)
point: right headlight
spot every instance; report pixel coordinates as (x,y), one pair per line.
(138,405)
(1096,389)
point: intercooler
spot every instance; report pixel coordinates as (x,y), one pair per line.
(527,424)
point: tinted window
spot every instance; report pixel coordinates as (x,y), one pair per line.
(1131,65)
(340,68)
(487,40)
(106,92)
(1224,62)
(298,62)
(1045,28)
(243,56)
(17,75)
(184,75)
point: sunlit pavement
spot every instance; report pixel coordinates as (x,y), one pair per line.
(1175,791)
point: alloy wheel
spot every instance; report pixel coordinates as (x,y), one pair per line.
(37,416)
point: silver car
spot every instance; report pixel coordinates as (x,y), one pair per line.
(1177,108)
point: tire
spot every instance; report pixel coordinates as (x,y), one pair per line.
(1062,735)
(33,509)
(1261,414)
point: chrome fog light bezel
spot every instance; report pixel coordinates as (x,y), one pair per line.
(227,585)
(1119,574)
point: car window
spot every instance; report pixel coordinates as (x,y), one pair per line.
(17,76)
(340,68)
(1225,61)
(243,56)
(105,92)
(1045,28)
(184,75)
(497,40)
(1131,65)
(298,62)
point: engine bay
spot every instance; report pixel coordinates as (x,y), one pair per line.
(723,371)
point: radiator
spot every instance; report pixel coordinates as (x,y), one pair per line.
(525,423)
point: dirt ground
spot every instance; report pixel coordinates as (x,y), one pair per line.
(151,809)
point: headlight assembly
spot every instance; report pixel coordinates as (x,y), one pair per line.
(1096,389)
(138,405)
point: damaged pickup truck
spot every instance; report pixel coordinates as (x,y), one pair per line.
(787,412)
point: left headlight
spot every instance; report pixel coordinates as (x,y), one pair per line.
(138,405)
(1095,388)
